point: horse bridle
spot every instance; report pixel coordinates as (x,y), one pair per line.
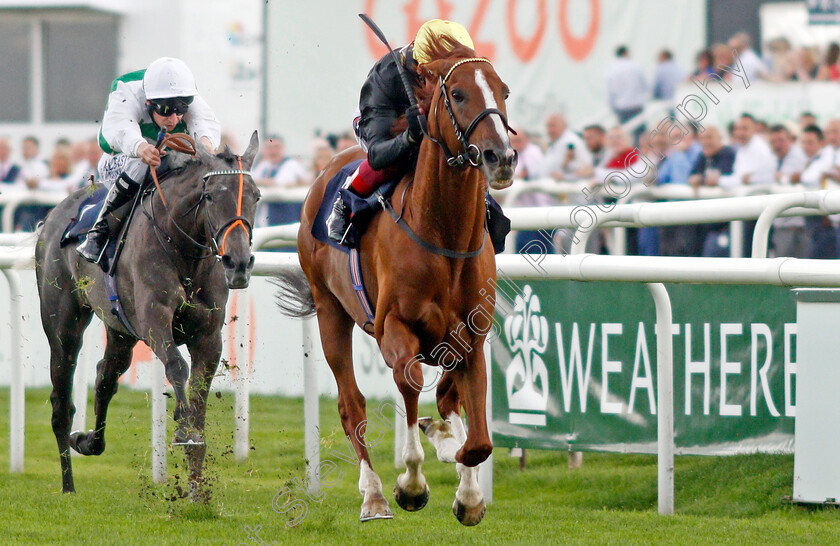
(470,154)
(236,221)
(216,249)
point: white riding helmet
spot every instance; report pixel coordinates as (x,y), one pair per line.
(168,78)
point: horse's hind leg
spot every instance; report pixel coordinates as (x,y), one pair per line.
(399,348)
(446,435)
(64,325)
(336,329)
(116,361)
(205,353)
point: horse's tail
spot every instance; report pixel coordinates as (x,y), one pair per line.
(294,297)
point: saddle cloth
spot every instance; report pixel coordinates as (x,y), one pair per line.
(84,219)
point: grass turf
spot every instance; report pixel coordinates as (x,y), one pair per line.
(612,499)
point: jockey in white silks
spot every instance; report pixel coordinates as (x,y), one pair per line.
(142,104)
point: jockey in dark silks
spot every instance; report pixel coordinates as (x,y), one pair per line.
(382,101)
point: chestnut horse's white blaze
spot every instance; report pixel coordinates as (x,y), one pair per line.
(490,102)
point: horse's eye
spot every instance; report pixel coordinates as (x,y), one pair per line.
(259,196)
(457,95)
(208,197)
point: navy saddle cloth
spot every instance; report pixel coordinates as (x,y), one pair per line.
(363,209)
(84,219)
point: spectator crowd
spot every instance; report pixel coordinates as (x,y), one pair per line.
(802,153)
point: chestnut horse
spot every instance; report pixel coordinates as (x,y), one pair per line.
(426,275)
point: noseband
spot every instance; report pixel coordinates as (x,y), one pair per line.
(237,221)
(469,155)
(216,249)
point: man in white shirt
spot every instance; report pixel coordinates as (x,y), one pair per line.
(9,170)
(566,154)
(754,161)
(789,238)
(819,170)
(530,156)
(627,90)
(754,67)
(277,170)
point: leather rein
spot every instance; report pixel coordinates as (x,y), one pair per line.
(469,156)
(183,143)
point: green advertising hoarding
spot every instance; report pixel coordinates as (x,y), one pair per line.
(574,367)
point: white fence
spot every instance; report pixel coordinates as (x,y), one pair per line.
(652,271)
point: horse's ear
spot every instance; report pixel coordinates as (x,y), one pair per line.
(251,151)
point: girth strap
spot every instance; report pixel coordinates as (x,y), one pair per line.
(386,204)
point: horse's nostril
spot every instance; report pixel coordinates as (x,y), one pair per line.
(251,263)
(490,157)
(227,262)
(511,156)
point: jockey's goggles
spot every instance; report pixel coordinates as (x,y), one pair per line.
(167,107)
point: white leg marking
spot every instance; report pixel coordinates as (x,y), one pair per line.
(469,493)
(458,429)
(450,444)
(490,101)
(374,505)
(412,481)
(369,482)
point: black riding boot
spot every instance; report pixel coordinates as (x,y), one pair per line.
(93,246)
(338,221)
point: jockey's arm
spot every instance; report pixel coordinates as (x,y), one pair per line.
(380,108)
(207,144)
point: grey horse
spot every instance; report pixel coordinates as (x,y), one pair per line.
(186,246)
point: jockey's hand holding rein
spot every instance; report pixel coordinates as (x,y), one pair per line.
(415,128)
(149,155)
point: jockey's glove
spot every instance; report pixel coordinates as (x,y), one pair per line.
(415,127)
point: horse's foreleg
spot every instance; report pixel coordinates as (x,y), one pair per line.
(336,329)
(205,355)
(399,348)
(471,383)
(116,361)
(155,319)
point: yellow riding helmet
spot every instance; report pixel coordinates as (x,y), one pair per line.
(431,32)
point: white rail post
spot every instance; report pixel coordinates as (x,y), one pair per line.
(242,383)
(485,469)
(158,422)
(17,405)
(665,391)
(312,433)
(736,239)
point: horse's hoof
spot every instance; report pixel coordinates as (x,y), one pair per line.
(192,439)
(375,508)
(411,503)
(469,516)
(424,422)
(82,443)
